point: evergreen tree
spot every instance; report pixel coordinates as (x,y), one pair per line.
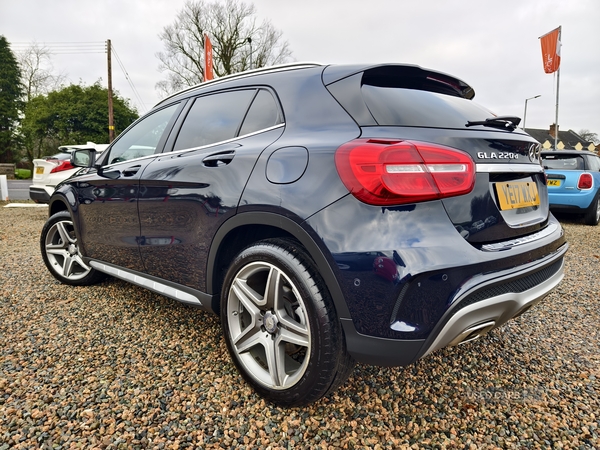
(11,94)
(74,114)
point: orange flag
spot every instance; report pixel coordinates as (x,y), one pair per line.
(208,59)
(551,50)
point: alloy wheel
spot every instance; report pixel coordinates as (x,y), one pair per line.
(268,324)
(63,253)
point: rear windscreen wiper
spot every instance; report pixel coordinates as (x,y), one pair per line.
(503,122)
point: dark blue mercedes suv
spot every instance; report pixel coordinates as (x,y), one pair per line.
(329,214)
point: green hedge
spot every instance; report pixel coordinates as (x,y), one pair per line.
(22,174)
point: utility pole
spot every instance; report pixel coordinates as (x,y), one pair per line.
(249,40)
(111,125)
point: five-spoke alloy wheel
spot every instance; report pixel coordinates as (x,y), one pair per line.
(268,325)
(280,325)
(61,252)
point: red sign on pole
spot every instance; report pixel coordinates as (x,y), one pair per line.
(551,50)
(208,59)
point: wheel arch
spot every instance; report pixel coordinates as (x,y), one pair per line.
(246,228)
(591,215)
(57,205)
(63,199)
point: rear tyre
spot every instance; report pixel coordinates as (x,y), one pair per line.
(280,325)
(592,216)
(61,255)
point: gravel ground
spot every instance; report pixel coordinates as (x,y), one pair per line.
(115,366)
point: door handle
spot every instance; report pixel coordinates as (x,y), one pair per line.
(130,171)
(219,159)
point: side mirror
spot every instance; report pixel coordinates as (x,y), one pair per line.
(85,157)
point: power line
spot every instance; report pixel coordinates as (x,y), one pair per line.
(61,48)
(74,48)
(128,78)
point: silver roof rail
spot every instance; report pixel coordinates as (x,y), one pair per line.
(247,73)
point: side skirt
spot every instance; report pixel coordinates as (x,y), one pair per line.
(175,291)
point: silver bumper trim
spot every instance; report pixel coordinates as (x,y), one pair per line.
(476,319)
(506,245)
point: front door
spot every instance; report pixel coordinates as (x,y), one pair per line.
(107,216)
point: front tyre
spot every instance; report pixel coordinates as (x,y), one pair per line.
(280,325)
(61,255)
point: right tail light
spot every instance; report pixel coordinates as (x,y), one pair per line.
(62,165)
(585,181)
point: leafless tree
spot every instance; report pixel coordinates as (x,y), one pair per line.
(239,43)
(589,136)
(37,72)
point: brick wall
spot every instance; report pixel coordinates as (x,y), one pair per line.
(8,170)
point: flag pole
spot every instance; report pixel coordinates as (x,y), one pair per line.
(557,91)
(551,43)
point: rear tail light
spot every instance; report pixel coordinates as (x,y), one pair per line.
(387,172)
(62,165)
(585,181)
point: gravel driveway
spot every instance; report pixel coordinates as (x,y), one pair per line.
(115,366)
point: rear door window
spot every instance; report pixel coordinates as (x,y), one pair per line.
(214,118)
(263,113)
(594,162)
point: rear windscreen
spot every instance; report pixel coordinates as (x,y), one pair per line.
(60,156)
(412,97)
(415,108)
(563,162)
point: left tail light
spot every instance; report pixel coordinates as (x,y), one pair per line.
(62,165)
(389,172)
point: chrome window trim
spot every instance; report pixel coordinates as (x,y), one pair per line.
(117,164)
(510,168)
(155,155)
(264,130)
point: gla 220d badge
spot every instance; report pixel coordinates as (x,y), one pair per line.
(500,155)
(533,153)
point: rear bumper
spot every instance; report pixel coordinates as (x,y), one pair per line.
(570,209)
(491,302)
(473,314)
(39,194)
(573,202)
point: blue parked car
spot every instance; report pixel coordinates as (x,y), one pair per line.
(574,183)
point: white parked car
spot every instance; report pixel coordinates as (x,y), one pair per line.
(51,170)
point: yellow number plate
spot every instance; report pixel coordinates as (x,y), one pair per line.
(39,170)
(553,182)
(517,194)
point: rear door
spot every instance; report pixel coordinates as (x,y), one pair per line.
(186,194)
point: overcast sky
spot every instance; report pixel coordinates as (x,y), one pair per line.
(492,45)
